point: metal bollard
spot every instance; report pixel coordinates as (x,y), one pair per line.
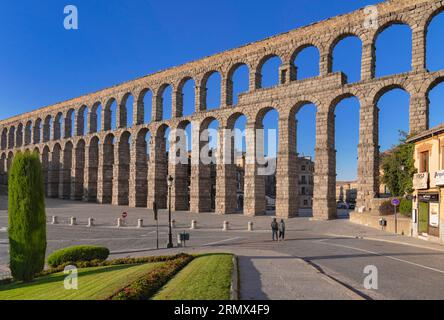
(90,222)
(193,224)
(250,226)
(119,222)
(54,220)
(173,224)
(225,226)
(140,223)
(73,221)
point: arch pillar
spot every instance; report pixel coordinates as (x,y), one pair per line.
(90,180)
(200,189)
(368,156)
(287,195)
(419,49)
(419,119)
(121,171)
(368,60)
(157,173)
(226,91)
(78,172)
(177,104)
(254,200)
(105,173)
(255,80)
(287,73)
(324,193)
(325,61)
(92,121)
(201,97)
(53,173)
(65,173)
(226,187)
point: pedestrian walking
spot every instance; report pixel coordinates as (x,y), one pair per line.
(282,230)
(274,229)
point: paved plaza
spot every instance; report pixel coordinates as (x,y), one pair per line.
(319,259)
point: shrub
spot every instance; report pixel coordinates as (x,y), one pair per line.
(78,254)
(26,217)
(405,207)
(148,285)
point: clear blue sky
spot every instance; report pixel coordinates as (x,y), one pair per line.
(42,63)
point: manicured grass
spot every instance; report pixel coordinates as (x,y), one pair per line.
(97,283)
(207,277)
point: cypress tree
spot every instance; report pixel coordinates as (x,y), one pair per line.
(26,217)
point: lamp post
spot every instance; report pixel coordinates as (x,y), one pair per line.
(170,234)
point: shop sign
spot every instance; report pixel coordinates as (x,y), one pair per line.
(438,178)
(420,181)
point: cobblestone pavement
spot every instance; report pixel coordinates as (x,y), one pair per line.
(319,259)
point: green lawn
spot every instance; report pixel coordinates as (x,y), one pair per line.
(93,284)
(207,277)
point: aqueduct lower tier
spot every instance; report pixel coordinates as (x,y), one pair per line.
(110,167)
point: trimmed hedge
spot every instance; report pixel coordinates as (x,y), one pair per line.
(78,254)
(406,207)
(148,285)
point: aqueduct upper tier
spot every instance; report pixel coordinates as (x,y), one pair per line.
(112,165)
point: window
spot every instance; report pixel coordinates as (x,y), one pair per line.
(424,161)
(304,181)
(303,168)
(303,190)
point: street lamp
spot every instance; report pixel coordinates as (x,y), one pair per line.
(170,234)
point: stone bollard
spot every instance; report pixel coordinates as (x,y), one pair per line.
(119,223)
(90,222)
(250,226)
(55,220)
(140,223)
(193,224)
(173,224)
(73,221)
(226,226)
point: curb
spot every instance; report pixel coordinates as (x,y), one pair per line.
(234,289)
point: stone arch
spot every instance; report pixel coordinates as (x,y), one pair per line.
(382,28)
(81,120)
(4,139)
(231,84)
(121,194)
(437,82)
(11,137)
(110,114)
(65,171)
(46,161)
(142,116)
(54,171)
(259,69)
(47,128)
(78,170)
(19,136)
(92,154)
(69,124)
(216,90)
(182,105)
(158,168)
(37,131)
(3,171)
(139,176)
(28,133)
(295,68)
(125,112)
(335,44)
(106,173)
(95,118)
(161,110)
(57,126)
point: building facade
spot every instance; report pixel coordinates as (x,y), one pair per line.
(428,184)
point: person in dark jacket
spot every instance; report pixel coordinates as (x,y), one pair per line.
(274,229)
(282,230)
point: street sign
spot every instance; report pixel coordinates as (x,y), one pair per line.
(395,202)
(124,215)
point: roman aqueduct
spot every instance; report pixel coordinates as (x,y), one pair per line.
(112,166)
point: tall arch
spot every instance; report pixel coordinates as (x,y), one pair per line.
(158,168)
(109,115)
(210,93)
(11,138)
(106,172)
(78,172)
(65,171)
(346,57)
(393,49)
(434,45)
(47,128)
(164,103)
(237,83)
(82,121)
(144,106)
(28,133)
(95,118)
(3,170)
(46,162)
(92,154)
(306,61)
(4,139)
(139,176)
(54,171)
(121,192)
(268,73)
(69,124)
(185,97)
(58,120)
(125,113)
(19,136)
(435,100)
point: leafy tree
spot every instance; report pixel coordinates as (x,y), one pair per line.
(398,166)
(27,218)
